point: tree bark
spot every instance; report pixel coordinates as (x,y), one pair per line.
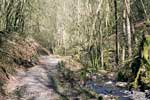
(116,32)
(128,27)
(123,54)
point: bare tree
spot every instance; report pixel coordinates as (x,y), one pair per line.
(116,31)
(128,26)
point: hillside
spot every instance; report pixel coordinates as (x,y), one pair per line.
(16,53)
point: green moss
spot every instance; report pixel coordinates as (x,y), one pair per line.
(135,83)
(145,63)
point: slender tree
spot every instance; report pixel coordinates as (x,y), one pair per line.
(128,26)
(116,32)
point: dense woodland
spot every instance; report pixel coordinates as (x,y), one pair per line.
(111,35)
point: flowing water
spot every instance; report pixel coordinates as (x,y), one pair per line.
(109,90)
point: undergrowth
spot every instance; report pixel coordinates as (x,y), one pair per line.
(73,78)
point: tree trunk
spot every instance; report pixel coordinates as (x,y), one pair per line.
(128,27)
(129,37)
(133,40)
(116,31)
(124,35)
(101,49)
(123,54)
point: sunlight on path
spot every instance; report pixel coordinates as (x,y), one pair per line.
(35,82)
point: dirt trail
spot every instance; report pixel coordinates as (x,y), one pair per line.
(36,83)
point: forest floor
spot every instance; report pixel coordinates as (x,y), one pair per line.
(38,83)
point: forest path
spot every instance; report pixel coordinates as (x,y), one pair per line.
(37,82)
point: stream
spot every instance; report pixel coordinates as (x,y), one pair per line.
(108,90)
